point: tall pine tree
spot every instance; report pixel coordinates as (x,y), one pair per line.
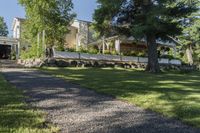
(191,37)
(149,19)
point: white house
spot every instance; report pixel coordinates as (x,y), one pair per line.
(78,36)
(16,29)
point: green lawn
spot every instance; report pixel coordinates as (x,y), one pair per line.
(171,93)
(16,116)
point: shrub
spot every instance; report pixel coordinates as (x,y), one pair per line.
(13,55)
(92,50)
(32,53)
(60,48)
(107,52)
(83,49)
(114,53)
(70,50)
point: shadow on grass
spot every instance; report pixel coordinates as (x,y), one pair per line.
(172,94)
(15,116)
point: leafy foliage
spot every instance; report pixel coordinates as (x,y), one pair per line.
(3,27)
(52,16)
(32,53)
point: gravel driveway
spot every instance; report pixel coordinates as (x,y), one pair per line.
(76,109)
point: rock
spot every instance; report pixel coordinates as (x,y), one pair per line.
(51,61)
(20,61)
(73,63)
(62,63)
(117,65)
(88,64)
(96,64)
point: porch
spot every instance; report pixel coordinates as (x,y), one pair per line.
(8,46)
(129,46)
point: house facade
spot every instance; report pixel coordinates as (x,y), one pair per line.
(81,35)
(17,32)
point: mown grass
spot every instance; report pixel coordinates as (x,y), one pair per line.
(16,116)
(172,94)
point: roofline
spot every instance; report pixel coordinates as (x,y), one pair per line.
(83,20)
(18,19)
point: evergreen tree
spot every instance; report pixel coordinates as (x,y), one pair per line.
(3,27)
(148,19)
(191,37)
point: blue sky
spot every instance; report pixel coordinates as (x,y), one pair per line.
(10,9)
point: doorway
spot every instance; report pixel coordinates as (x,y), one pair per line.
(5,51)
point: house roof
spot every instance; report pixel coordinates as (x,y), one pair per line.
(17,19)
(7,41)
(74,21)
(20,19)
(79,20)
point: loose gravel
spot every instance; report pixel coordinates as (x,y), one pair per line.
(78,110)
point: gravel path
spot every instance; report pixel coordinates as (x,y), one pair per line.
(75,109)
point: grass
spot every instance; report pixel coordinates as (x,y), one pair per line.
(16,116)
(172,94)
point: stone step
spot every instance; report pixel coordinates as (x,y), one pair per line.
(9,64)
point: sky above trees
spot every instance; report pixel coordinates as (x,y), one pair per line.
(10,9)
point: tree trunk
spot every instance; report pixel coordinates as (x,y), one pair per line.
(189,54)
(153,65)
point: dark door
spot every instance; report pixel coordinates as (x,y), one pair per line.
(5,51)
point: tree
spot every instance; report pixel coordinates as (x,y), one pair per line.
(191,37)
(3,27)
(147,19)
(53,16)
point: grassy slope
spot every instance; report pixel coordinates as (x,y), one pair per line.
(172,94)
(15,116)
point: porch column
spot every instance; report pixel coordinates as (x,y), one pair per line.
(103,44)
(38,43)
(117,46)
(18,49)
(44,47)
(77,42)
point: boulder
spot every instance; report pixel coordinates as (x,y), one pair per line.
(51,61)
(62,63)
(73,63)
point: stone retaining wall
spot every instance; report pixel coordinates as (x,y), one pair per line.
(31,62)
(53,62)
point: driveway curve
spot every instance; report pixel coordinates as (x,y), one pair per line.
(75,109)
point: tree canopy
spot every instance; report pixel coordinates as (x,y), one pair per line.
(53,16)
(148,19)
(191,38)
(3,27)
